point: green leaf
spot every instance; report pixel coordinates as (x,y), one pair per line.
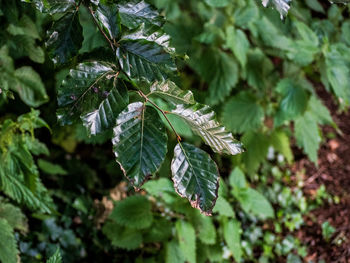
(8,247)
(206,230)
(280,141)
(14,217)
(50,168)
(168,91)
(173,253)
(134,13)
(187,240)
(254,202)
(140,142)
(282,6)
(108,18)
(195,176)
(53,6)
(243,113)
(122,237)
(223,207)
(65,38)
(202,121)
(232,235)
(133,212)
(237,179)
(28,85)
(217,3)
(55,258)
(293,103)
(307,135)
(237,41)
(144,60)
(319,111)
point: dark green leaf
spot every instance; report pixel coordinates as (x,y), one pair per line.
(202,121)
(108,18)
(237,41)
(140,142)
(195,176)
(53,6)
(65,38)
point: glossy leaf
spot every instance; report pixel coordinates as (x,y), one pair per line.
(282,6)
(53,6)
(144,60)
(108,18)
(195,176)
(202,121)
(65,38)
(168,91)
(139,142)
(134,13)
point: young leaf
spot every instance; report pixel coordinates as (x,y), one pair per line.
(206,229)
(108,18)
(65,38)
(195,176)
(144,60)
(223,207)
(173,253)
(8,247)
(243,113)
(133,212)
(140,142)
(168,91)
(187,240)
(202,121)
(134,13)
(55,258)
(232,235)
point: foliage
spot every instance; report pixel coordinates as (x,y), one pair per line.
(165,82)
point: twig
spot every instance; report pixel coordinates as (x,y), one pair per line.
(178,138)
(101,30)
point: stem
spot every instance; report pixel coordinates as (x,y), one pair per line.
(101,30)
(178,138)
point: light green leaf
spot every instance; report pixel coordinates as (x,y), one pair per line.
(223,207)
(307,135)
(55,258)
(237,179)
(254,202)
(187,240)
(280,141)
(319,111)
(8,246)
(50,168)
(168,91)
(195,176)
(133,212)
(65,38)
(139,142)
(206,230)
(174,253)
(237,41)
(202,121)
(217,3)
(14,216)
(232,235)
(243,113)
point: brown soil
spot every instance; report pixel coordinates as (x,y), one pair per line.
(333,171)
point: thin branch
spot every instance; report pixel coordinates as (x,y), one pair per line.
(178,138)
(101,30)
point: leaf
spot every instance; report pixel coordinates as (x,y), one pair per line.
(168,91)
(195,176)
(320,112)
(50,168)
(122,237)
(144,60)
(134,13)
(187,240)
(282,6)
(307,135)
(223,207)
(254,202)
(92,92)
(53,6)
(232,235)
(237,179)
(202,121)
(14,217)
(217,3)
(293,103)
(108,18)
(237,41)
(139,142)
(243,113)
(173,253)
(280,141)
(133,212)
(55,258)
(29,86)
(8,246)
(65,38)
(206,230)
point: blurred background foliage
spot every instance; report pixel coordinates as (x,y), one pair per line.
(259,72)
